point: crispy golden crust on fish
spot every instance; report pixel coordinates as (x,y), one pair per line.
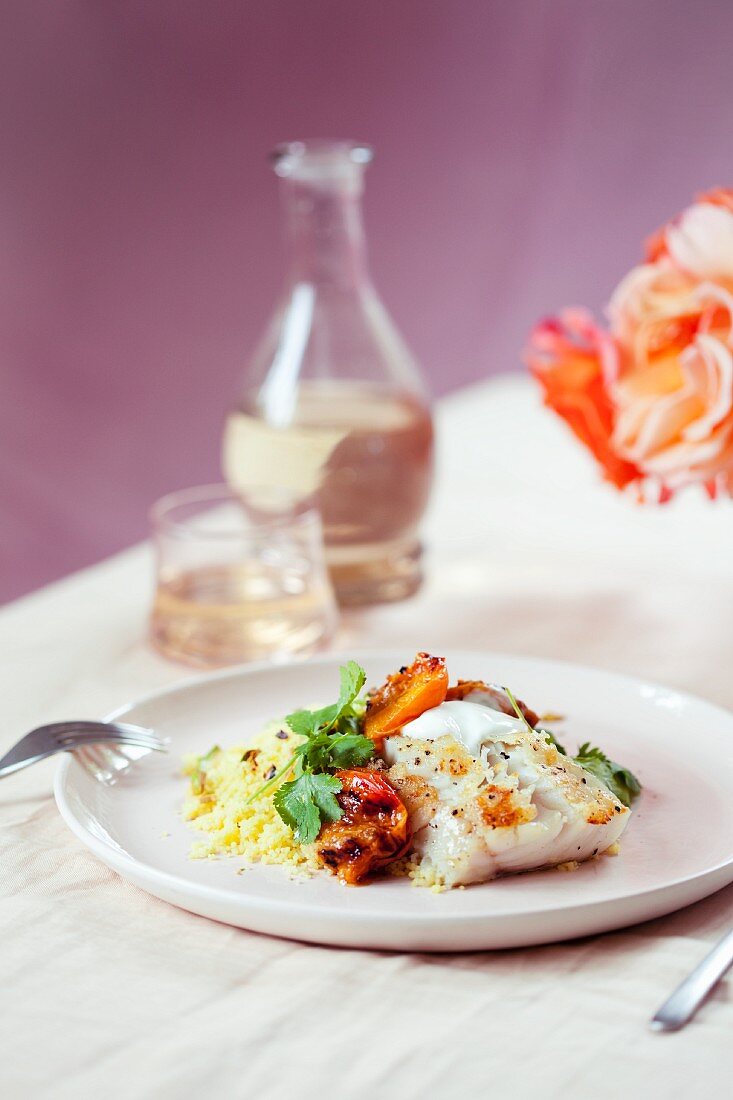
(499,809)
(520,805)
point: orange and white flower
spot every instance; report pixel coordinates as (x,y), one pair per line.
(654,397)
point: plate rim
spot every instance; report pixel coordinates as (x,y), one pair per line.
(122,861)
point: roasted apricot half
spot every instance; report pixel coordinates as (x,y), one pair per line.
(406,695)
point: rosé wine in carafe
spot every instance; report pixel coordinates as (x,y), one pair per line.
(333,405)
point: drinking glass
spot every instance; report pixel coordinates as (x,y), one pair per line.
(240,576)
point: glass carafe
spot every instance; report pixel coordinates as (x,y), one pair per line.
(333,403)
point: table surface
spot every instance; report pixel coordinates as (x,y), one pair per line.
(109,990)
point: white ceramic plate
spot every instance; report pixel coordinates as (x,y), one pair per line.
(677,849)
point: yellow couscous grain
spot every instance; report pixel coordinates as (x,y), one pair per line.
(221,781)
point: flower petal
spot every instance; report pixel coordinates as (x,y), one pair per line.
(701,243)
(717,362)
(574,360)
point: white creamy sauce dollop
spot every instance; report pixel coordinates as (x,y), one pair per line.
(470,723)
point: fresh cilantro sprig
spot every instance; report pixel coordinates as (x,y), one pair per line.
(333,740)
(619,780)
(306,802)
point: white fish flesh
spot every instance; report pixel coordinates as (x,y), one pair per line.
(487,797)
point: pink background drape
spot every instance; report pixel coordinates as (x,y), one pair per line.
(523,150)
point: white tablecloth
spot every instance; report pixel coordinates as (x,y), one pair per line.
(106,991)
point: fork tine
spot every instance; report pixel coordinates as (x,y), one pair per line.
(96,760)
(106,763)
(128,727)
(55,729)
(61,729)
(106,735)
(88,758)
(143,742)
(135,731)
(152,743)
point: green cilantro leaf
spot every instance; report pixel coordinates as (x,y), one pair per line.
(305,802)
(351,750)
(323,790)
(332,740)
(619,780)
(298,811)
(353,678)
(349,723)
(315,752)
(332,751)
(324,718)
(303,722)
(308,723)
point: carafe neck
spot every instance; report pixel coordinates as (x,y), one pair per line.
(321,186)
(324,234)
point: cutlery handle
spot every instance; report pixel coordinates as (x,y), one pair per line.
(17,765)
(679,1009)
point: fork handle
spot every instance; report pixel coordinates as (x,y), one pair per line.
(18,765)
(679,1009)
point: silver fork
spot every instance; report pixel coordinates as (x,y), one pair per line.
(679,1009)
(85,736)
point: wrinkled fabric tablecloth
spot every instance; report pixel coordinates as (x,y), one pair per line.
(107,991)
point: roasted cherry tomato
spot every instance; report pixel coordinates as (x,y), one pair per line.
(502,701)
(373,831)
(405,695)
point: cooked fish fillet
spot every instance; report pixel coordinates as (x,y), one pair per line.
(518,804)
